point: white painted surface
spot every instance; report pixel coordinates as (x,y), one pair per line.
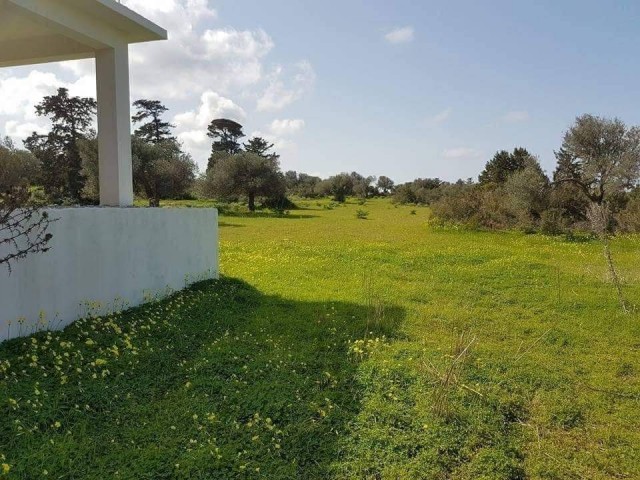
(106,256)
(39,31)
(114,127)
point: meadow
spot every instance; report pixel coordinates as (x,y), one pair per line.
(379,347)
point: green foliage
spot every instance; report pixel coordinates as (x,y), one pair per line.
(301,184)
(260,146)
(246,174)
(503,165)
(601,156)
(385,185)
(17,167)
(628,219)
(339,187)
(88,148)
(58,151)
(362,214)
(226,135)
(422,191)
(155,130)
(161,170)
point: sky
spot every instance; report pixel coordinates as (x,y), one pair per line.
(405,88)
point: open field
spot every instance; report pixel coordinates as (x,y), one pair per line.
(337,347)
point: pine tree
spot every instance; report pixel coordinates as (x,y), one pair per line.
(226,136)
(155,130)
(71,118)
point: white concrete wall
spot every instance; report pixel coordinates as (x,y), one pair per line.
(103,257)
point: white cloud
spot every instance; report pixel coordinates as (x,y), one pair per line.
(201,73)
(440,118)
(20,93)
(286,127)
(17,130)
(461,153)
(280,144)
(516,116)
(229,59)
(194,57)
(173,15)
(212,105)
(279,94)
(400,35)
(191,126)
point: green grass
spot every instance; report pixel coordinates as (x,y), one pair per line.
(321,354)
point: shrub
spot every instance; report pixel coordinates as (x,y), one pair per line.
(362,214)
(552,222)
(629,218)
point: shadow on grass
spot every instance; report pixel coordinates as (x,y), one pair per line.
(259,214)
(230,225)
(218,381)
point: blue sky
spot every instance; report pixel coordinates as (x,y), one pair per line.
(405,88)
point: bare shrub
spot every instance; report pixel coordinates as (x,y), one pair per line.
(23,226)
(601,222)
(447,378)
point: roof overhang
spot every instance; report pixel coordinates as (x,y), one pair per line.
(39,31)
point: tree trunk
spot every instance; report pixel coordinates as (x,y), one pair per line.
(252,202)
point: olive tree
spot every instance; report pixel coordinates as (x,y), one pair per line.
(245,174)
(604,156)
(17,167)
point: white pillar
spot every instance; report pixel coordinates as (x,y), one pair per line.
(114,127)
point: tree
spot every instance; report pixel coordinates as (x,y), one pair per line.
(502,165)
(90,169)
(71,118)
(603,159)
(601,156)
(247,174)
(339,187)
(566,196)
(385,185)
(226,136)
(527,191)
(260,146)
(362,186)
(155,130)
(17,167)
(161,170)
(421,190)
(301,184)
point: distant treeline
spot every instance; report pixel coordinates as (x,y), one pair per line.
(597,173)
(595,186)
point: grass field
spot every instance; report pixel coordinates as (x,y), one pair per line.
(338,347)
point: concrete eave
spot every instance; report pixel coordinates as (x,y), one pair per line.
(137,28)
(40,31)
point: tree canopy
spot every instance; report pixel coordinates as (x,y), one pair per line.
(58,151)
(226,135)
(155,130)
(260,146)
(502,165)
(247,174)
(601,156)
